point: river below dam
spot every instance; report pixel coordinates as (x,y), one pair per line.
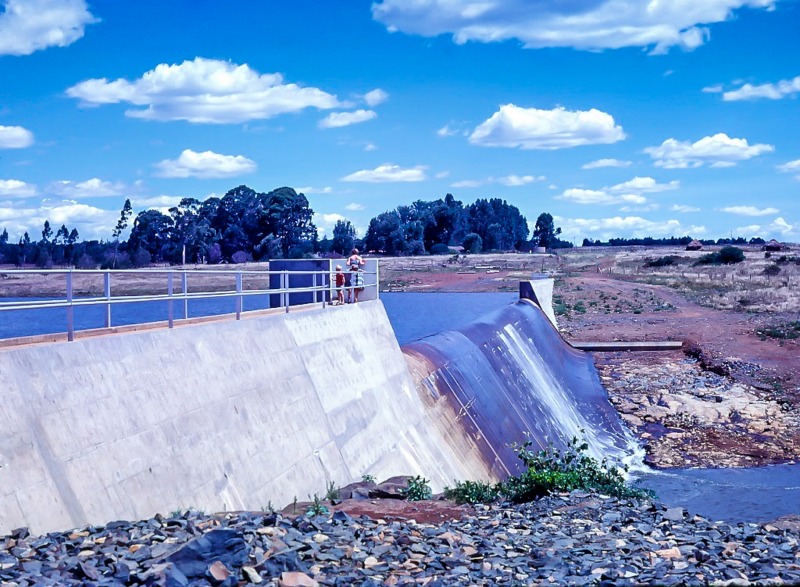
(751,495)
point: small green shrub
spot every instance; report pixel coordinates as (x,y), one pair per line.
(331,491)
(579,307)
(730,255)
(317,508)
(662,261)
(771,270)
(472,492)
(440,249)
(551,469)
(417,489)
(367,478)
(787,331)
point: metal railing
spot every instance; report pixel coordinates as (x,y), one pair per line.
(285,288)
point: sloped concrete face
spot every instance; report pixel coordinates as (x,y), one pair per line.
(217,416)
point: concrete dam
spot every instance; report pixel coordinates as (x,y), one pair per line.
(235,415)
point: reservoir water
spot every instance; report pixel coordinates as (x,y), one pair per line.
(759,494)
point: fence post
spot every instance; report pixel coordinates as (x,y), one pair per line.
(70,309)
(170,308)
(314,286)
(239,300)
(377,279)
(185,290)
(107,291)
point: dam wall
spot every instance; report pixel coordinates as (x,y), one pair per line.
(224,415)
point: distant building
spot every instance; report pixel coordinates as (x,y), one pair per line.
(773,245)
(695,245)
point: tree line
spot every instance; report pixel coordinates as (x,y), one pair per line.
(669,241)
(245,225)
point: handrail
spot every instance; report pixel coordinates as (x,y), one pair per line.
(319,283)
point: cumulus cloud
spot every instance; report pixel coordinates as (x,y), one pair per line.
(90,221)
(531,128)
(15,137)
(375,97)
(785,229)
(749,210)
(776,91)
(339,119)
(628,192)
(14,188)
(206,91)
(623,226)
(27,26)
(595,25)
(205,165)
(354,207)
(162,202)
(91,188)
(388,173)
(718,150)
(684,208)
(606,163)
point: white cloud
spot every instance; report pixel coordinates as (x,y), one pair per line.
(718,150)
(91,188)
(785,229)
(641,185)
(375,97)
(584,196)
(749,210)
(370,147)
(715,89)
(31,25)
(782,89)
(531,128)
(312,190)
(205,165)
(466,183)
(204,91)
(442,174)
(339,119)
(446,131)
(354,207)
(791,167)
(599,24)
(388,173)
(623,226)
(519,180)
(162,202)
(90,221)
(684,208)
(14,188)
(606,163)
(628,192)
(15,137)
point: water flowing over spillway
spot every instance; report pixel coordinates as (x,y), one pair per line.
(511,378)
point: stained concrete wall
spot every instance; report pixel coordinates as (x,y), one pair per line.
(218,416)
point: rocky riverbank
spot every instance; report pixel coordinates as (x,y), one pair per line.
(688,416)
(574,539)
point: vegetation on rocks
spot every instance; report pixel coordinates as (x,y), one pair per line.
(548,471)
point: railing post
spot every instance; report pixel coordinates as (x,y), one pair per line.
(107,291)
(239,297)
(170,308)
(377,280)
(185,290)
(285,290)
(70,310)
(314,286)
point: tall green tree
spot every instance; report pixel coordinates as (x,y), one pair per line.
(545,233)
(344,237)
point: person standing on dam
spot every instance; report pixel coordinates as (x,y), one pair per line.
(355,262)
(339,285)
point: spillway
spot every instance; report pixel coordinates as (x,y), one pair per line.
(511,378)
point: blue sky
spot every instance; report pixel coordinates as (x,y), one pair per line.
(620,118)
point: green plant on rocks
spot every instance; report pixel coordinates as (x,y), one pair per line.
(551,470)
(317,508)
(331,491)
(472,492)
(417,489)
